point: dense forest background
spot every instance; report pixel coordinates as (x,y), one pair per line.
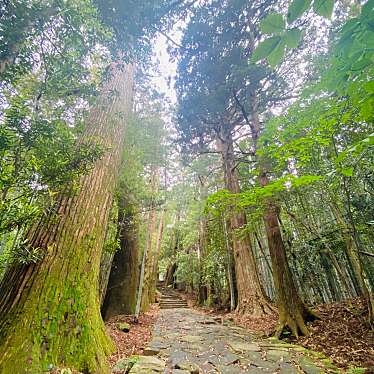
(253,191)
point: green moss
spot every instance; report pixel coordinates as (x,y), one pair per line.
(356,370)
(126,364)
(123,326)
(322,360)
(60,324)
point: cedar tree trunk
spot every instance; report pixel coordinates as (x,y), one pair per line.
(251,296)
(49,310)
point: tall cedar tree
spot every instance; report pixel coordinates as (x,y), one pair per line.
(50,312)
(220,92)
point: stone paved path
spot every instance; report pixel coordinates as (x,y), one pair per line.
(187,342)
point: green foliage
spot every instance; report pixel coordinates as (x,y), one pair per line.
(187,270)
(323,8)
(269,47)
(296,9)
(293,37)
(273,49)
(316,134)
(220,201)
(273,23)
(112,242)
(53,60)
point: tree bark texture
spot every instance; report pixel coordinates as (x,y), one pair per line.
(50,310)
(251,296)
(292,310)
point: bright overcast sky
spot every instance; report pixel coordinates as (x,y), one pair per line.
(164,82)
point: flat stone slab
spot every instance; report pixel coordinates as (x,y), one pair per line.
(244,347)
(191,338)
(229,358)
(188,366)
(276,355)
(148,365)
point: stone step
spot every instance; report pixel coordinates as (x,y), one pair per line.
(170,299)
(173,303)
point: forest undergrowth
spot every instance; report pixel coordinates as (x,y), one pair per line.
(135,340)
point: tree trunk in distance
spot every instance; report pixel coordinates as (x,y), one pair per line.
(292,310)
(313,229)
(202,290)
(229,265)
(49,310)
(150,245)
(352,250)
(106,263)
(169,278)
(123,280)
(154,274)
(108,253)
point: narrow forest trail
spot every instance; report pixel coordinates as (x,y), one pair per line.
(186,341)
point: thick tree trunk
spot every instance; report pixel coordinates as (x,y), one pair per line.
(49,310)
(123,280)
(251,296)
(292,310)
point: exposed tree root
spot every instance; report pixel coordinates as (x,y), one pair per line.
(296,322)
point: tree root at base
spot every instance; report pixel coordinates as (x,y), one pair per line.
(296,323)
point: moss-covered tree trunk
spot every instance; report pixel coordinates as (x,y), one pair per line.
(251,296)
(120,297)
(49,310)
